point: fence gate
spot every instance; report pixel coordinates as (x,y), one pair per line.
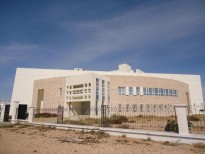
(60,114)
(104,115)
(6,113)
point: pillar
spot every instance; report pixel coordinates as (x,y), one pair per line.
(181,113)
(15,112)
(30,114)
(2,112)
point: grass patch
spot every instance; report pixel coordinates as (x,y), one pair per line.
(87,121)
(24,126)
(199,145)
(148,139)
(171,143)
(122,141)
(44,128)
(124,126)
(45,115)
(7,126)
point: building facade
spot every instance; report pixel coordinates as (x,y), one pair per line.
(82,90)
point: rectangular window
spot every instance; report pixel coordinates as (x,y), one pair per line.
(162,92)
(137,90)
(130,91)
(167,92)
(77,86)
(150,91)
(108,91)
(144,91)
(103,90)
(121,90)
(156,91)
(97,89)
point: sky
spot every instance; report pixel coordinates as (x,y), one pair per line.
(161,36)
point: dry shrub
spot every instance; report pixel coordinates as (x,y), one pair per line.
(199,145)
(45,115)
(115,119)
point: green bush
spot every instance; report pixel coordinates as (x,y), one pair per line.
(172,126)
(45,115)
(115,119)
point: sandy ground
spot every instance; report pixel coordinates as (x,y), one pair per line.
(22,139)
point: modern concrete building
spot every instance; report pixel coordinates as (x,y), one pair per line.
(81,90)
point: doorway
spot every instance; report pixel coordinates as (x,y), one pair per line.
(22,110)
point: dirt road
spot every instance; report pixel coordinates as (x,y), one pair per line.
(23,139)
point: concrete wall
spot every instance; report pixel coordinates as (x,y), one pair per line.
(51,87)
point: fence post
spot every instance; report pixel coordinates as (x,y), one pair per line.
(2,112)
(30,115)
(15,113)
(181,112)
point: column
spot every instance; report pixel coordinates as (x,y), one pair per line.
(181,113)
(2,112)
(15,112)
(30,115)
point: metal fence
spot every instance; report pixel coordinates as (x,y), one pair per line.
(196,119)
(145,117)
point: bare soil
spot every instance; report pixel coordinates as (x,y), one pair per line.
(24,139)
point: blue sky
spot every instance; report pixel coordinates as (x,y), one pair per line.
(160,36)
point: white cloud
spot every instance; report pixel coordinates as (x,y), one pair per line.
(138,29)
(17,52)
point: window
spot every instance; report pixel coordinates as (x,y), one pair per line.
(78,86)
(130,90)
(97,89)
(103,90)
(60,91)
(144,91)
(121,90)
(137,90)
(167,92)
(156,91)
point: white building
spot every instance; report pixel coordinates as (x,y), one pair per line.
(80,86)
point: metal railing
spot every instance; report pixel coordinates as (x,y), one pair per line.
(196,119)
(145,117)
